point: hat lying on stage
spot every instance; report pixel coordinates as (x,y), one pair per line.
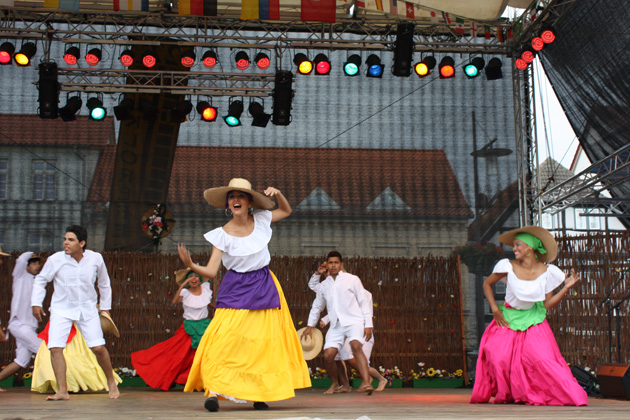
(313,345)
(107,324)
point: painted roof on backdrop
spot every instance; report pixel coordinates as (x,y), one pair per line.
(29,129)
(354,181)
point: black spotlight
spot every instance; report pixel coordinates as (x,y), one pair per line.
(123,111)
(424,67)
(375,68)
(233,118)
(282,97)
(73,105)
(493,69)
(472,69)
(257,111)
(181,111)
(27,52)
(403,50)
(48,91)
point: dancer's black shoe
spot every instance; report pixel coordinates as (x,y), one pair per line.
(212,404)
(260,406)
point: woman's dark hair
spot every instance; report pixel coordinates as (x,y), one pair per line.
(332,254)
(80,232)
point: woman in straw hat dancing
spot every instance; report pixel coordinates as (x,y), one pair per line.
(519,360)
(250,351)
(169,362)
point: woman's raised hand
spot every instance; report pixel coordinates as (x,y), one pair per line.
(271,191)
(184,255)
(570,281)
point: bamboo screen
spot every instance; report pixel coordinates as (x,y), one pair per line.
(418,305)
(580,322)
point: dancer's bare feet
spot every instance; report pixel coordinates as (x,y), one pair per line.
(3,390)
(58,397)
(381,385)
(113,389)
(366,388)
(330,390)
(342,388)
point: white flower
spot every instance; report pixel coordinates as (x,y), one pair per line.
(421,364)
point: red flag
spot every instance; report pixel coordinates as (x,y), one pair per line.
(486,31)
(410,10)
(319,10)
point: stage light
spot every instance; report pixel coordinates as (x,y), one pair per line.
(351,67)
(26,53)
(493,69)
(123,111)
(548,34)
(537,43)
(48,87)
(262,61)
(282,97)
(257,111)
(208,112)
(181,111)
(6,52)
(149,59)
(322,65)
(424,67)
(374,66)
(242,60)
(233,118)
(304,65)
(93,56)
(520,64)
(126,58)
(71,56)
(472,69)
(188,57)
(97,111)
(209,59)
(447,67)
(528,55)
(403,50)
(73,105)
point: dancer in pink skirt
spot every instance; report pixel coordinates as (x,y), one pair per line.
(519,360)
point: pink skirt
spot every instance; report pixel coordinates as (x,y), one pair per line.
(524,367)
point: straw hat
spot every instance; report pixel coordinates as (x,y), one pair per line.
(547,239)
(107,324)
(3,254)
(216,196)
(313,345)
(180,276)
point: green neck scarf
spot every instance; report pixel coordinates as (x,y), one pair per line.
(532,241)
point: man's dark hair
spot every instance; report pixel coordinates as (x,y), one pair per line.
(80,233)
(334,254)
(33,259)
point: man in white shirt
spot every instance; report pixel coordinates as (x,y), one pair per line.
(22,324)
(350,314)
(75,271)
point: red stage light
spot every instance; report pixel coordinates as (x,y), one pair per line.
(548,35)
(93,57)
(71,56)
(242,60)
(537,43)
(209,59)
(322,65)
(528,56)
(207,112)
(188,58)
(148,59)
(520,64)
(447,68)
(262,61)
(6,52)
(126,58)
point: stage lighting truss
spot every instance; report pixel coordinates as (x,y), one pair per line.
(233,117)
(447,67)
(126,57)
(71,55)
(493,69)
(149,59)
(424,67)
(472,69)
(209,59)
(207,112)
(93,56)
(24,56)
(96,108)
(322,65)
(180,112)
(374,66)
(352,66)
(123,111)
(188,57)
(7,50)
(262,61)
(257,111)
(69,111)
(304,65)
(241,59)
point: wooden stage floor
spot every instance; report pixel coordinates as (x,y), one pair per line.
(402,403)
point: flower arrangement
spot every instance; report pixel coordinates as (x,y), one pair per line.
(391,374)
(27,375)
(435,373)
(157,222)
(318,373)
(125,372)
(480,258)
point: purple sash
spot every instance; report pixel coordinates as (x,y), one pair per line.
(251,290)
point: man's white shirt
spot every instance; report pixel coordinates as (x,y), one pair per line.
(74,295)
(345,299)
(21,311)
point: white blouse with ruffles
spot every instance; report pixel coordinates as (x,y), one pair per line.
(523,294)
(248,253)
(196,306)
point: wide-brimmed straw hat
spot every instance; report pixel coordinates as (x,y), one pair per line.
(311,346)
(181,275)
(107,324)
(547,239)
(3,254)
(217,196)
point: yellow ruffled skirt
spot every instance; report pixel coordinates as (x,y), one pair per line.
(83,373)
(250,355)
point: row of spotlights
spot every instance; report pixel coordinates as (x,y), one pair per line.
(21,58)
(547,36)
(95,107)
